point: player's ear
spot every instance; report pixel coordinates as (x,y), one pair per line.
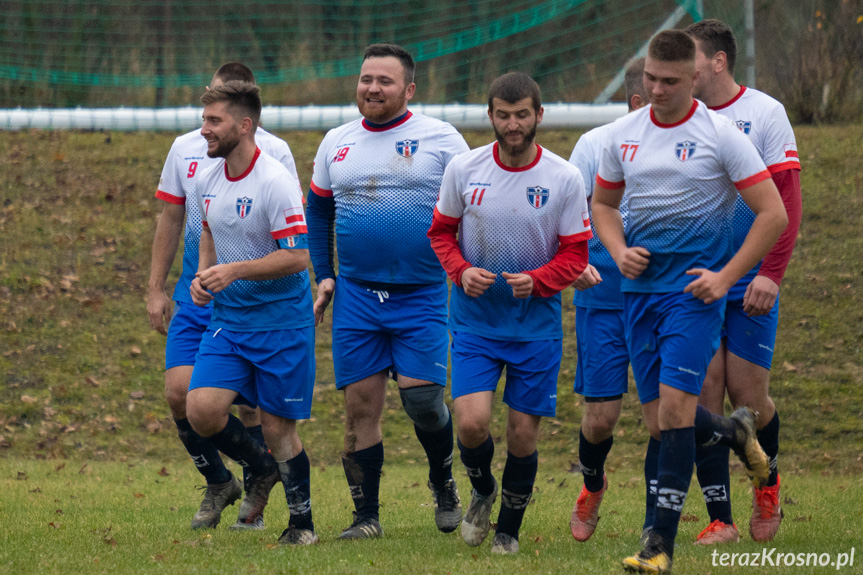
(247,125)
(409,92)
(539,115)
(636,102)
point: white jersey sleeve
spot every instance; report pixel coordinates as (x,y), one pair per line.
(450,201)
(170,183)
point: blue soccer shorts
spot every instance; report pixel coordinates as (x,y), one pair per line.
(188,325)
(602,368)
(274,370)
(671,339)
(531,370)
(376,330)
(751,338)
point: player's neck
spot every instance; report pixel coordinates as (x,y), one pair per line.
(673,116)
(725,91)
(521,160)
(240,158)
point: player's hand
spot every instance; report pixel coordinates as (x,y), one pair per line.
(760,296)
(199,295)
(521,284)
(709,287)
(216,278)
(159,310)
(326,288)
(588,278)
(474,281)
(633,262)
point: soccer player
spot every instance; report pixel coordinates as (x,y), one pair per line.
(511,229)
(742,363)
(187,158)
(680,164)
(375,183)
(259,346)
(602,371)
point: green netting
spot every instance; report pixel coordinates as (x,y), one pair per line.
(57,53)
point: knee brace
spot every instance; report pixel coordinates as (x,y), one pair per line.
(425,406)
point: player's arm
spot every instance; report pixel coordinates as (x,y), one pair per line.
(165,244)
(277,264)
(607,221)
(565,267)
(770,220)
(762,292)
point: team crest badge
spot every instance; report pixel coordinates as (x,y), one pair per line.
(291,241)
(407,148)
(537,196)
(744,126)
(244,207)
(684,150)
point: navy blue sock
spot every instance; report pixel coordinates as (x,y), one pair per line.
(676,458)
(438,448)
(363,471)
(768,437)
(257,433)
(712,429)
(592,457)
(295,479)
(651,472)
(519,475)
(235,442)
(711,464)
(477,461)
(204,454)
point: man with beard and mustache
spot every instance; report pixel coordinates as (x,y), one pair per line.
(259,346)
(188,158)
(374,186)
(511,230)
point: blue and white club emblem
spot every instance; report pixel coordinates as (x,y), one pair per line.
(744,126)
(537,196)
(684,150)
(244,207)
(407,148)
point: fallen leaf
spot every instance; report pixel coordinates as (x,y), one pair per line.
(60,467)
(137,395)
(789,367)
(803,518)
(28,399)
(689,518)
(164,472)
(54,525)
(139,495)
(92,381)
(135,350)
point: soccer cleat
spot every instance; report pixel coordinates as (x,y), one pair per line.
(652,559)
(475,525)
(585,515)
(718,532)
(255,523)
(504,544)
(257,495)
(216,498)
(645,535)
(748,449)
(363,528)
(766,513)
(294,536)
(447,506)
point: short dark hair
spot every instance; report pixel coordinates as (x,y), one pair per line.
(235,71)
(394,51)
(633,81)
(512,87)
(672,46)
(715,36)
(243,98)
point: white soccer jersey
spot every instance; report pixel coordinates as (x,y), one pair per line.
(384,182)
(681,181)
(247,215)
(511,221)
(187,158)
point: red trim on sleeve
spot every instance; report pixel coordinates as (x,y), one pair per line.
(205,224)
(248,170)
(292,219)
(165,196)
(682,121)
(781,167)
(323,192)
(776,261)
(603,183)
(752,180)
(731,101)
(792,154)
(568,263)
(443,236)
(503,166)
(291,231)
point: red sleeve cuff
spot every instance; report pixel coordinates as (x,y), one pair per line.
(323,192)
(165,196)
(610,185)
(752,180)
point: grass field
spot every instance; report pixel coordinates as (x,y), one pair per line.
(82,383)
